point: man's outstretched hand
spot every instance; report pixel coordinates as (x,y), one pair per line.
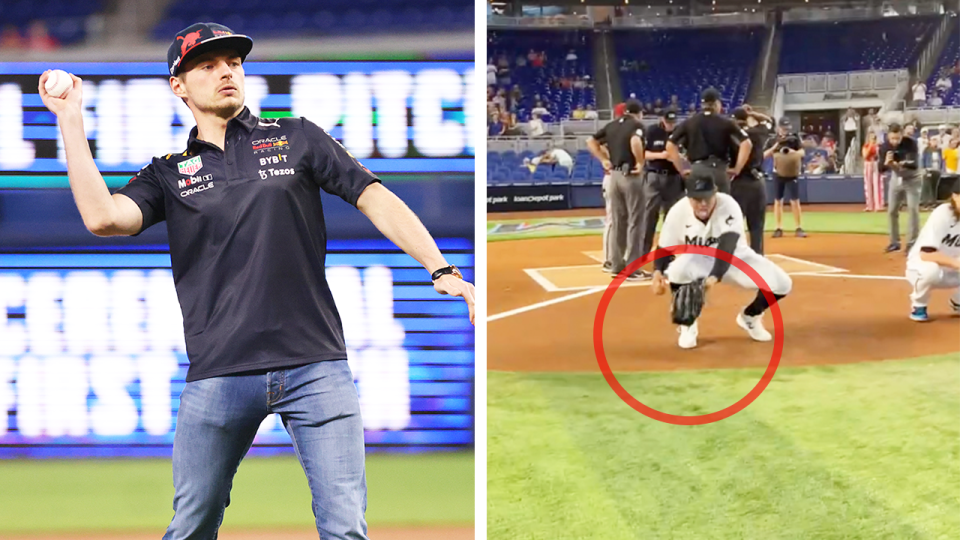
(455,286)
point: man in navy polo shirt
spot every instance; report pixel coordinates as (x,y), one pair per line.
(248,245)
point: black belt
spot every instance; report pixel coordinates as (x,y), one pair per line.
(660,171)
(711,160)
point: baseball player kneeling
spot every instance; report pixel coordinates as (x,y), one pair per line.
(934,260)
(707,218)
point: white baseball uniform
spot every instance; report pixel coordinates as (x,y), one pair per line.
(681,226)
(942,232)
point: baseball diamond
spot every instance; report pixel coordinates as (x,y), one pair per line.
(862,405)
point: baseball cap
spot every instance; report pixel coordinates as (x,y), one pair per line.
(740,114)
(633,106)
(700,187)
(784,122)
(669,115)
(710,95)
(199,38)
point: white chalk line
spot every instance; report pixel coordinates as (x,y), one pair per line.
(546,303)
(573,296)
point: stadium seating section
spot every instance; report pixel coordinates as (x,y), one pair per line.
(65,19)
(683,62)
(277,18)
(890,43)
(535,81)
(948,59)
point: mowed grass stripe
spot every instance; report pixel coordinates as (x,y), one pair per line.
(813,222)
(545,488)
(816,456)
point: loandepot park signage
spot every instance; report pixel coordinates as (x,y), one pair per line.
(92,358)
(395,116)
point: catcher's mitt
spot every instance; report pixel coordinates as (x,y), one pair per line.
(688,301)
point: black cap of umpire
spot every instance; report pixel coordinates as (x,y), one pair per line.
(700,187)
(633,106)
(669,115)
(710,95)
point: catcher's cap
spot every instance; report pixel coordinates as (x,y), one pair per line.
(199,38)
(700,187)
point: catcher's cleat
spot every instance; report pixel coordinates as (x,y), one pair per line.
(754,327)
(688,336)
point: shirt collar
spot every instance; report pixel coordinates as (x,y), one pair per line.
(245,119)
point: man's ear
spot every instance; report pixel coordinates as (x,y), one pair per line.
(176,85)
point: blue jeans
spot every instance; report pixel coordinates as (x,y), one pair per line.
(216,424)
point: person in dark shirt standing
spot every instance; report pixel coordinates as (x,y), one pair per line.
(707,136)
(899,157)
(248,246)
(623,157)
(787,152)
(662,183)
(748,187)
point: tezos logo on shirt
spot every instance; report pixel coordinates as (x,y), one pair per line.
(190,166)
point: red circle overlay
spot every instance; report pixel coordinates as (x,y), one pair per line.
(696,420)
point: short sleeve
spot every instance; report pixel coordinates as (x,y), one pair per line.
(670,233)
(936,227)
(737,134)
(335,170)
(146,189)
(679,135)
(601,135)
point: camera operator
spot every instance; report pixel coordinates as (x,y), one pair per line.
(787,152)
(899,157)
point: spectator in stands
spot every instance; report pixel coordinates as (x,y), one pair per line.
(944,83)
(539,109)
(509,121)
(872,183)
(39,39)
(491,73)
(10,38)
(539,59)
(521,61)
(935,100)
(572,56)
(515,96)
(495,127)
(536,127)
(578,113)
(919,94)
(500,100)
(556,157)
(850,123)
(950,157)
(829,143)
(675,103)
(591,113)
(691,109)
(658,106)
(531,56)
(923,146)
(648,108)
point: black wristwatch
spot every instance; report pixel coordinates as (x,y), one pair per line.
(446,270)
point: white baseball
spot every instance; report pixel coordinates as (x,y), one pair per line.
(58,83)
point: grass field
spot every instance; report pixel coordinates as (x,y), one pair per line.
(813,222)
(862,451)
(117,495)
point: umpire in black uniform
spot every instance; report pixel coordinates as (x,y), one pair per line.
(748,186)
(707,137)
(624,158)
(662,183)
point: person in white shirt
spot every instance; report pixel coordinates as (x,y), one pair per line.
(934,260)
(919,94)
(535,127)
(590,113)
(491,74)
(558,157)
(539,110)
(708,218)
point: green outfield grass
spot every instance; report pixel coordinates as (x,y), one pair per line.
(116,495)
(813,222)
(862,451)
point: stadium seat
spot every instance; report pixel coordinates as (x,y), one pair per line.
(948,59)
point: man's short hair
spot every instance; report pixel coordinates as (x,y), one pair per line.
(894,128)
(633,106)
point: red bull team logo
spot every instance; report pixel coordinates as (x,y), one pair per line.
(190,166)
(270,143)
(189,41)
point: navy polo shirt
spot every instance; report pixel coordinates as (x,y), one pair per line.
(248,241)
